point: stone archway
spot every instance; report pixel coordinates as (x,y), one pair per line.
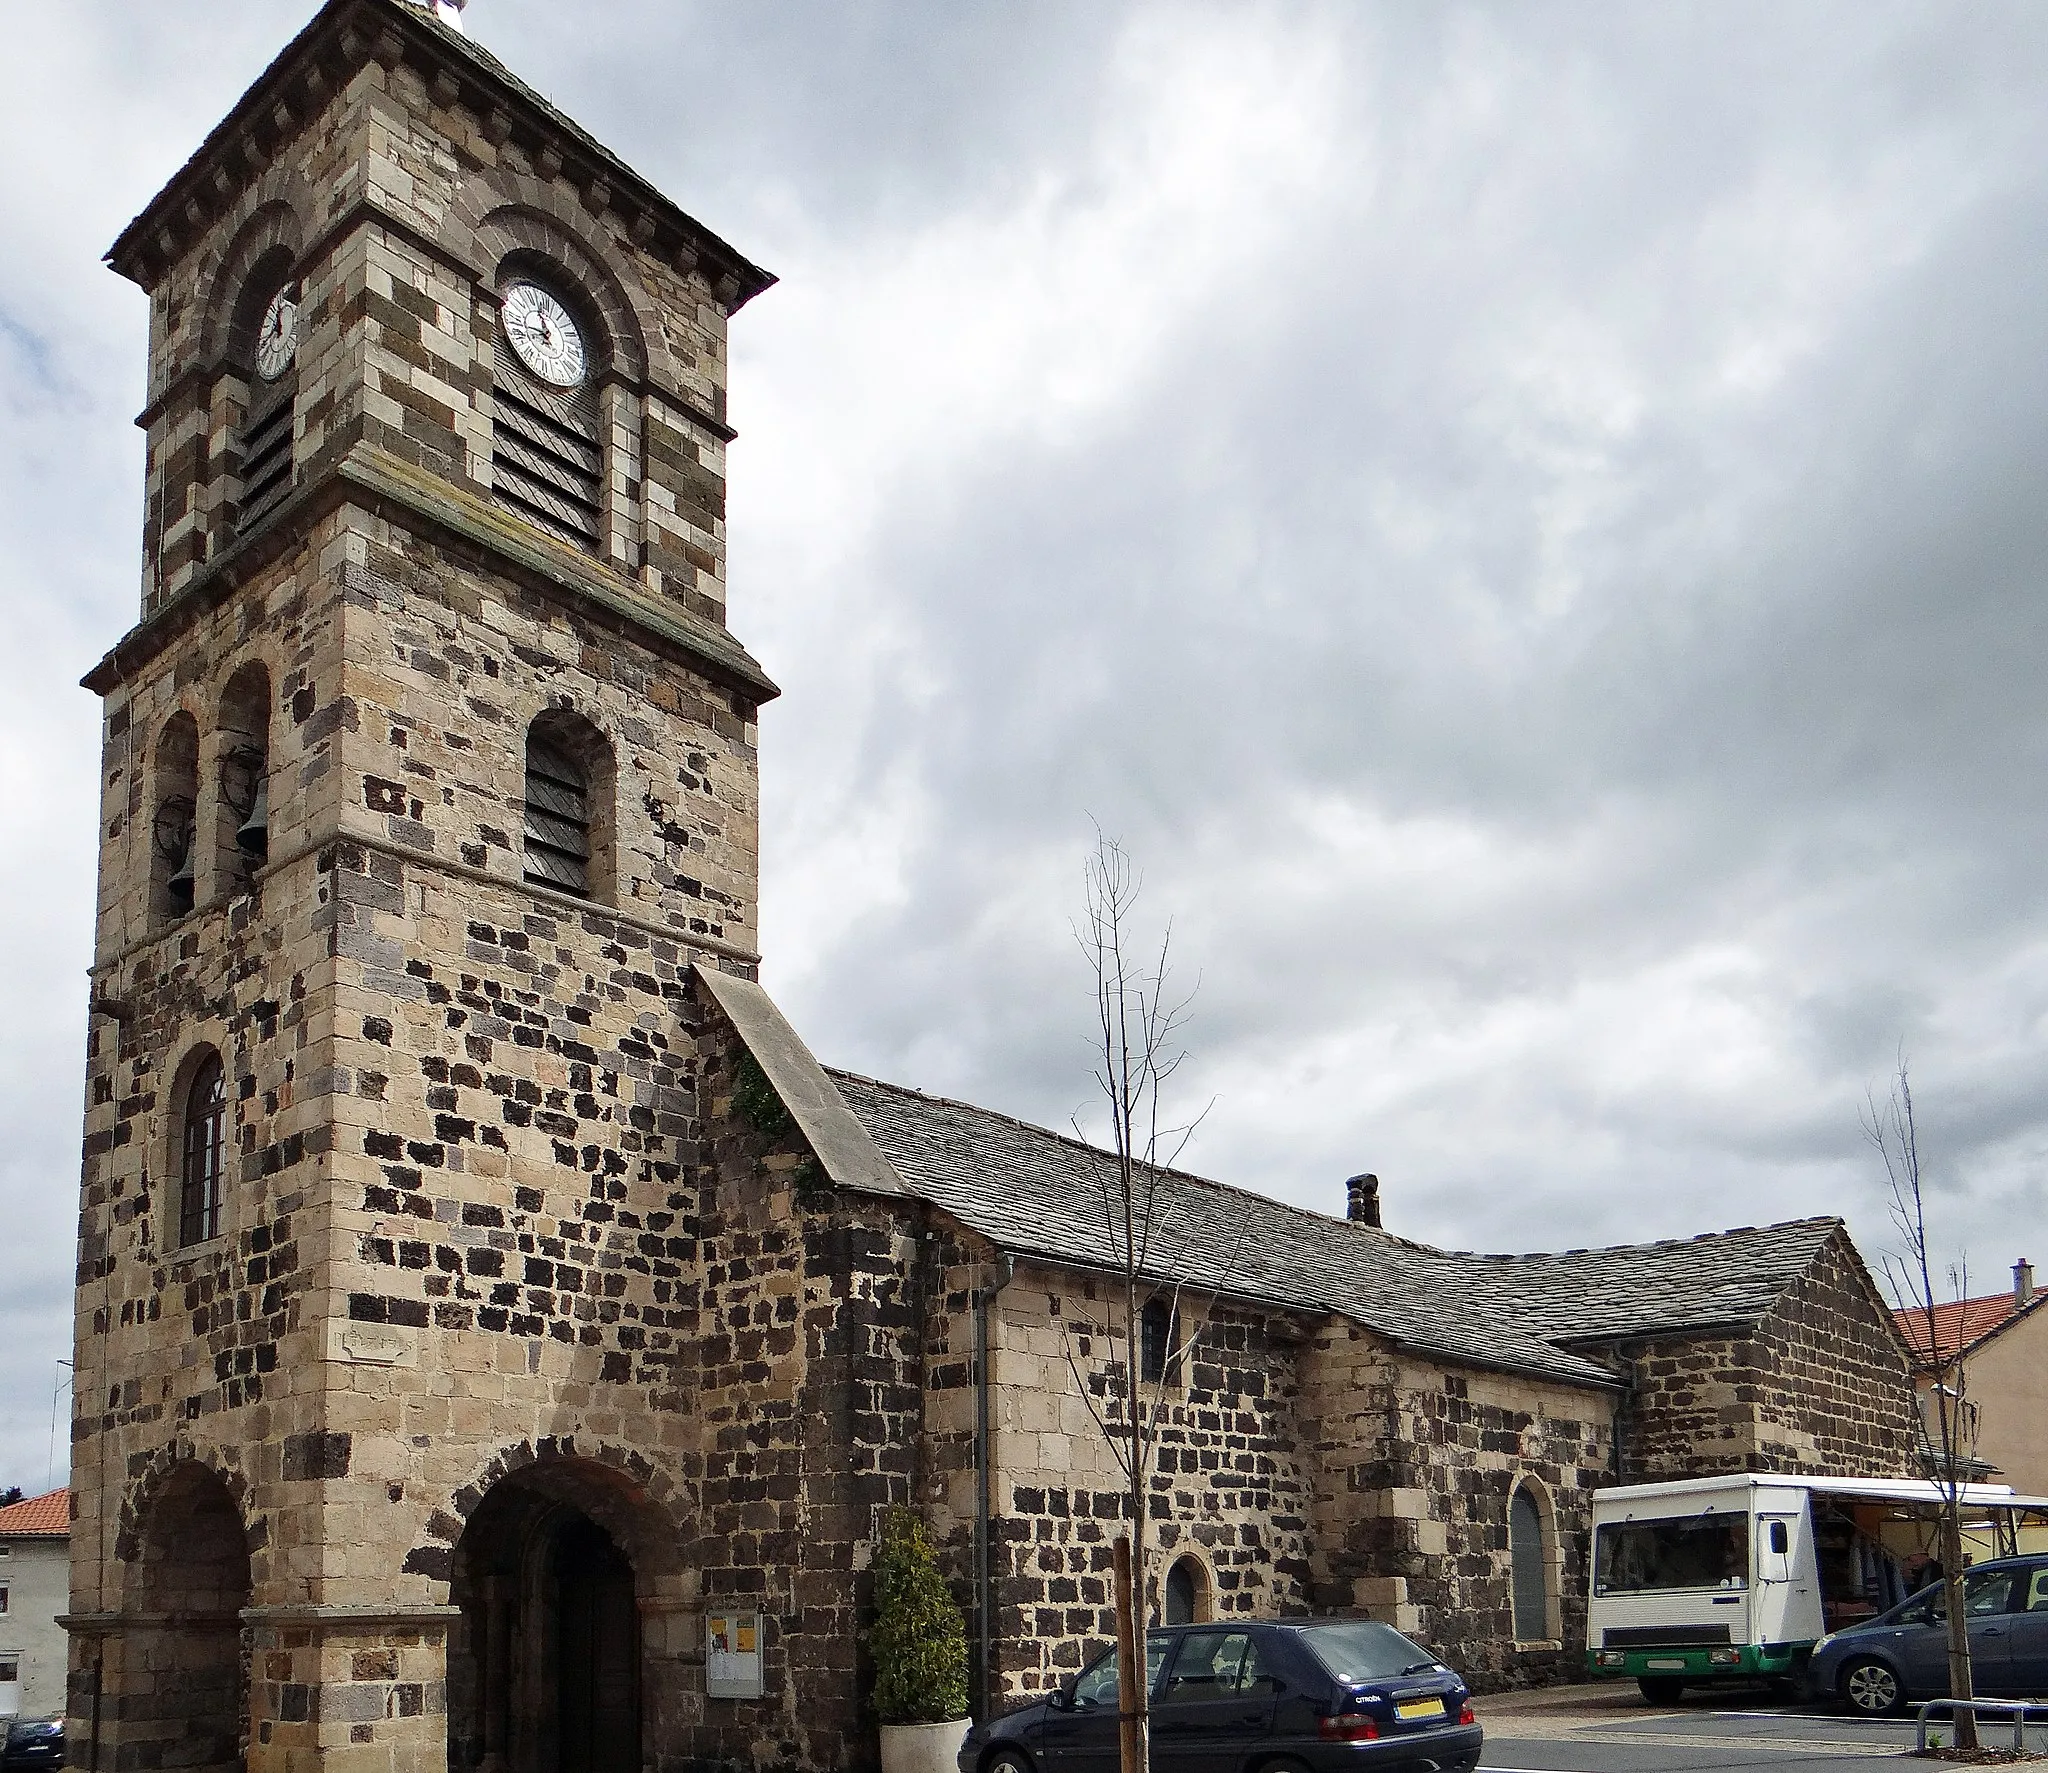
(544,1667)
(189,1707)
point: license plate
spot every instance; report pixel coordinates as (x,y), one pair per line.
(1411,1709)
(1677,1662)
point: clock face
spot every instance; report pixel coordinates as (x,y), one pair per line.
(278,340)
(543,335)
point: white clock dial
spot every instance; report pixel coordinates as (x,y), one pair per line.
(278,340)
(543,335)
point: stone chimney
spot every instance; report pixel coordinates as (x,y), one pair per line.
(1362,1200)
(2022,1284)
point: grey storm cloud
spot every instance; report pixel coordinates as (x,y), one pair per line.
(1525,519)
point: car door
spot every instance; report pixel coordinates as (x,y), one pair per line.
(1080,1734)
(2027,1646)
(1923,1652)
(1215,1707)
(1988,1598)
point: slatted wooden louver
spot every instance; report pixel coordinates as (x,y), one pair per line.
(266,458)
(547,460)
(557,819)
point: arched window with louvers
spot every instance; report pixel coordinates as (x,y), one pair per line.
(263,345)
(569,815)
(547,432)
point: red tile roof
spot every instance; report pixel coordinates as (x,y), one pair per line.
(47,1517)
(1958,1323)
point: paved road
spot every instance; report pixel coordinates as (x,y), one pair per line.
(1696,1739)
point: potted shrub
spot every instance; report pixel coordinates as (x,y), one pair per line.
(920,1648)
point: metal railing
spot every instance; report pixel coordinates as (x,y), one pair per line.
(2020,1710)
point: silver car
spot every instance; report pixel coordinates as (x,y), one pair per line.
(1880,1667)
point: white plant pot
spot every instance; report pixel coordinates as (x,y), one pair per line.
(923,1748)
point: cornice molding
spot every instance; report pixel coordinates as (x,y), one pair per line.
(384,486)
(344,37)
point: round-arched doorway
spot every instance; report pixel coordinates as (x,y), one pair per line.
(191,1582)
(544,1666)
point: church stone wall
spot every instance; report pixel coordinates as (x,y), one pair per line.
(1819,1387)
(398,319)
(1416,1463)
(1229,1485)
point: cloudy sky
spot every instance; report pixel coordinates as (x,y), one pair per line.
(1526,519)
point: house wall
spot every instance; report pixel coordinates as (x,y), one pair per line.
(2008,1382)
(36,1573)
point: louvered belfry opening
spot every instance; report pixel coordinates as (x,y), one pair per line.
(266,454)
(557,817)
(547,459)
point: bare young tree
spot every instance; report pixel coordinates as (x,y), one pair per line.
(1909,1274)
(1138,1022)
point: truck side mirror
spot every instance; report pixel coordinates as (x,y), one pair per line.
(1781,1540)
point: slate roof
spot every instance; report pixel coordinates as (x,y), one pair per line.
(47,1516)
(1961,1324)
(1039,1193)
(415,15)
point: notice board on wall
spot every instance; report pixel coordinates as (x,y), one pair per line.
(732,1655)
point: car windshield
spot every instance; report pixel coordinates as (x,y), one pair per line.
(1364,1650)
(1691,1551)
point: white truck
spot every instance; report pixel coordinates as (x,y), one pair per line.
(1736,1578)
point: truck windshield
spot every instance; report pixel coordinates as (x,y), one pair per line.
(1694,1551)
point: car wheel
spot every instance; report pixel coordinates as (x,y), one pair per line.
(1661,1689)
(1007,1760)
(1871,1689)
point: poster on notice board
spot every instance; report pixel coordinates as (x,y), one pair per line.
(732,1655)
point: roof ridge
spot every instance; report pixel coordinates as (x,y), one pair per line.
(1077,1144)
(1660,1243)
(1830,1220)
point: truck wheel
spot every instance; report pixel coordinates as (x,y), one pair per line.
(1872,1690)
(1662,1689)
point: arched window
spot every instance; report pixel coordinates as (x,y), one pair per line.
(174,853)
(242,843)
(1158,1325)
(568,805)
(264,344)
(1529,1542)
(547,444)
(1187,1593)
(204,1153)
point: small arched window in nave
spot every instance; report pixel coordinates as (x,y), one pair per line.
(557,818)
(205,1153)
(1530,1565)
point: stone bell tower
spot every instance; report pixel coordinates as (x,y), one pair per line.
(429,774)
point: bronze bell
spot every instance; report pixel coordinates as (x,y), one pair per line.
(184,883)
(252,837)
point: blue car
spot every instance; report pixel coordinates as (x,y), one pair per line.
(31,1743)
(1880,1667)
(1320,1694)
